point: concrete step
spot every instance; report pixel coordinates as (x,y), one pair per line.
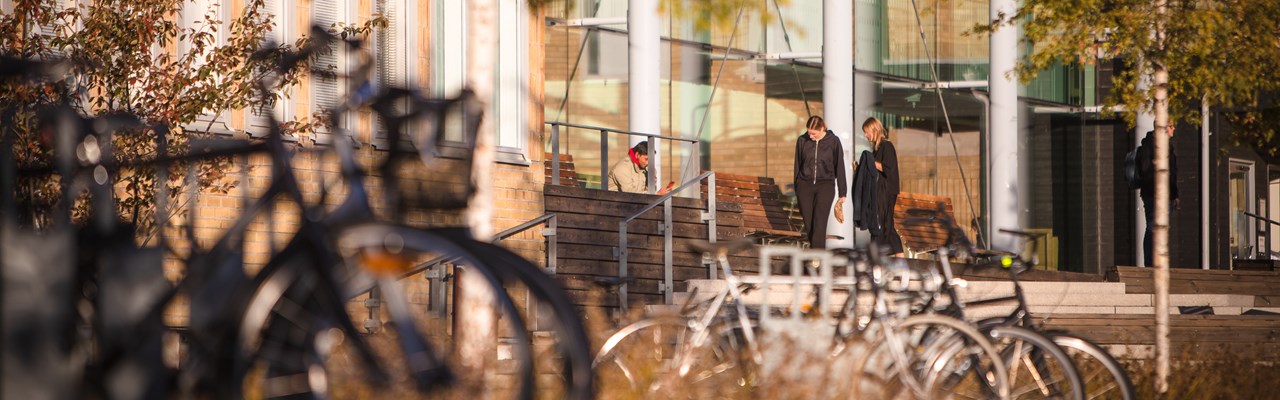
(1042,297)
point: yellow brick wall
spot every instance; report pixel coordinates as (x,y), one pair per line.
(517,188)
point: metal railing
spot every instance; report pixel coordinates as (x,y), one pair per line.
(604,152)
(709,216)
(1266,232)
(434,270)
(550,233)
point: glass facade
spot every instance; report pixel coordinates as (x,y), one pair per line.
(748,110)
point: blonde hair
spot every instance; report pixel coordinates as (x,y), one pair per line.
(875,126)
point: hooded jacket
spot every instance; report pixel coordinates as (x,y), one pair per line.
(820,160)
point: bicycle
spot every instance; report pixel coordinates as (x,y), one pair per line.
(924,355)
(260,323)
(696,345)
(1100,376)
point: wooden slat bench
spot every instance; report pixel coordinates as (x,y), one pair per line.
(1264,285)
(765,214)
(568,174)
(920,238)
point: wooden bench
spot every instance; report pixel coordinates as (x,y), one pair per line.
(920,238)
(568,174)
(766,213)
(1264,285)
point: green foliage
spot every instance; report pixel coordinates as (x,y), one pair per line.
(720,15)
(126,59)
(1225,51)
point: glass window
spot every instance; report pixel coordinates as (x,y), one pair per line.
(326,88)
(284,32)
(511,90)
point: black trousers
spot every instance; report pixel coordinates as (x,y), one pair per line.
(815,207)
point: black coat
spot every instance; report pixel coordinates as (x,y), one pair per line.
(866,184)
(887,155)
(1147,166)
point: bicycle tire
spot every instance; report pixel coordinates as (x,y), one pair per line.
(936,338)
(1050,372)
(417,241)
(649,353)
(1092,360)
(572,340)
(572,343)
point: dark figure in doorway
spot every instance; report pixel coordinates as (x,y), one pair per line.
(1147,186)
(886,157)
(819,176)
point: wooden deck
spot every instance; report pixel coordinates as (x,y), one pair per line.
(1252,337)
(588,241)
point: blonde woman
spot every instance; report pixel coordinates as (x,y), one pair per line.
(819,177)
(886,157)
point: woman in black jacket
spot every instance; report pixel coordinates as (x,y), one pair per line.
(886,157)
(819,176)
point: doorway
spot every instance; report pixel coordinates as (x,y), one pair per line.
(1241,190)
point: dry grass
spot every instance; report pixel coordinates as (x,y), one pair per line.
(1192,376)
(799,372)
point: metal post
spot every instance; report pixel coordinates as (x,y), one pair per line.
(710,218)
(651,173)
(797,270)
(438,294)
(604,159)
(1005,213)
(552,243)
(555,154)
(837,94)
(1204,185)
(766,271)
(667,288)
(622,264)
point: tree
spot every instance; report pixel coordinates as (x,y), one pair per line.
(1224,52)
(124,59)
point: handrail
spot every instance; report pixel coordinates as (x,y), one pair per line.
(709,216)
(604,151)
(550,233)
(1268,230)
(597,128)
(437,293)
(1262,218)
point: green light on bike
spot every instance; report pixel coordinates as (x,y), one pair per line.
(1006,261)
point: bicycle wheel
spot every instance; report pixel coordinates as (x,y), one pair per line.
(423,341)
(929,357)
(662,356)
(499,265)
(1038,369)
(1104,377)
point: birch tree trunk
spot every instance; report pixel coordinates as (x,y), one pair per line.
(1160,233)
(475,319)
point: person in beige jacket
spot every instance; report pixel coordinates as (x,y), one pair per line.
(631,174)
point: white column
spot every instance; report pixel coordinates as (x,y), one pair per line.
(644,71)
(1004,129)
(1144,122)
(837,98)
